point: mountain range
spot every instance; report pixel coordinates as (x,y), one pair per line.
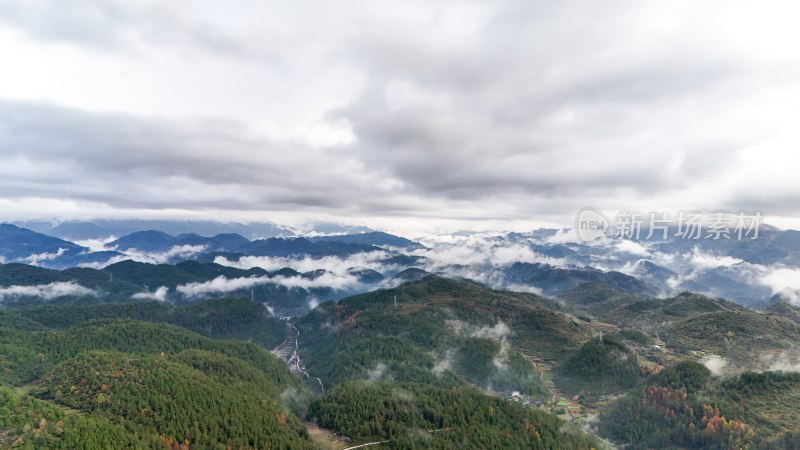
(435,362)
(489,336)
(748,272)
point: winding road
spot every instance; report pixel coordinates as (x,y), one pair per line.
(287,351)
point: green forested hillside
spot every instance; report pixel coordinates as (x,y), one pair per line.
(736,335)
(429,364)
(153,275)
(32,424)
(154,384)
(438,326)
(105,287)
(27,355)
(622,308)
(216,318)
(691,324)
(419,416)
(600,366)
(134,373)
(26,275)
(158,395)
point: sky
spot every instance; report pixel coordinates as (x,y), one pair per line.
(399,115)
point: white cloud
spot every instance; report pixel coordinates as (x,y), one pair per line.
(563,236)
(785,361)
(715,364)
(220,284)
(160,294)
(176,252)
(96,245)
(500,360)
(223,285)
(632,247)
(478,250)
(334,264)
(784,281)
(45,291)
(523,288)
(377,372)
(445,363)
(328,279)
(703,260)
(498,332)
(38,258)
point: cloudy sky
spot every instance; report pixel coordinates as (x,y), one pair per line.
(402,115)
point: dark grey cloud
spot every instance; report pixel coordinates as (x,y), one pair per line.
(133,162)
(545,99)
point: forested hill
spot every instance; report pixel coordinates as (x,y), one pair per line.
(148,385)
(153,376)
(216,318)
(432,363)
(438,323)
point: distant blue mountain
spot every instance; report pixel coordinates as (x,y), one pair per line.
(773,246)
(78,231)
(377,238)
(227,242)
(153,241)
(554,280)
(23,245)
(145,241)
(337,228)
(101,229)
(92,258)
(301,246)
(649,271)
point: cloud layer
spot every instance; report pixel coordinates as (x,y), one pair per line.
(404,115)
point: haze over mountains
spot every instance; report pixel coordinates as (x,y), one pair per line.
(330,265)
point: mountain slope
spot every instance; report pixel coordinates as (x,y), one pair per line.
(435,321)
(554,280)
(142,384)
(684,407)
(301,246)
(23,245)
(411,415)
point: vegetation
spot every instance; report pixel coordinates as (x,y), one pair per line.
(408,367)
(28,423)
(600,366)
(493,364)
(736,335)
(416,416)
(685,407)
(133,373)
(155,395)
(144,385)
(217,318)
(436,326)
